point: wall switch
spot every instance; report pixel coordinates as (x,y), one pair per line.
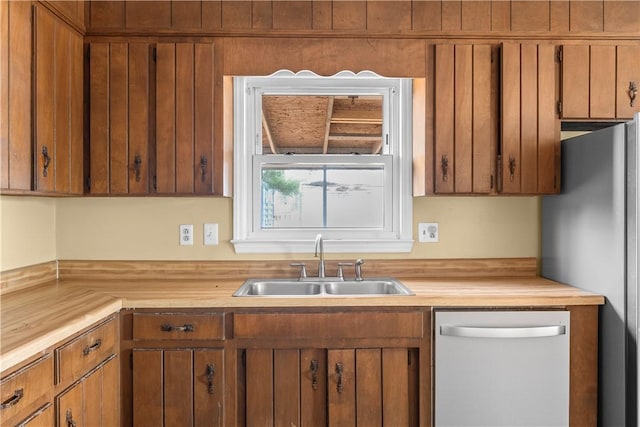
(428,232)
(210,234)
(186,234)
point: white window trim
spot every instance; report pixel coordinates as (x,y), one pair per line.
(397,126)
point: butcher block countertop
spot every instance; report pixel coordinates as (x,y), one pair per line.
(37,318)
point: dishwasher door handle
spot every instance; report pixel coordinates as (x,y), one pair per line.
(502,332)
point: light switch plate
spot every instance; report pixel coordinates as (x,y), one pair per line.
(210,234)
(428,232)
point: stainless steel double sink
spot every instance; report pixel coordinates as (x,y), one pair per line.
(321,288)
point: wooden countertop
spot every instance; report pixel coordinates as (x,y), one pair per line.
(39,317)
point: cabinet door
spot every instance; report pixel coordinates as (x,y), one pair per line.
(58,105)
(178,387)
(184,118)
(463,119)
(598,81)
(119,118)
(530,146)
(627,81)
(16,159)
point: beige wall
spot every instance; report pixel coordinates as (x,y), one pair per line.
(147,228)
(27,231)
(40,229)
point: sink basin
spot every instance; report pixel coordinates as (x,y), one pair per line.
(320,288)
(264,288)
(367,287)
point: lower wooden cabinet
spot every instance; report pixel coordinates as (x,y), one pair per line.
(75,382)
(329,387)
(178,387)
(336,367)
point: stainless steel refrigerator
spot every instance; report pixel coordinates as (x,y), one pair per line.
(590,240)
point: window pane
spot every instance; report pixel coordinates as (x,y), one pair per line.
(322,124)
(325,197)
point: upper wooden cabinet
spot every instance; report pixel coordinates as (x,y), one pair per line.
(464,131)
(41,108)
(151,109)
(530,140)
(184,118)
(58,112)
(15,98)
(600,81)
(120,116)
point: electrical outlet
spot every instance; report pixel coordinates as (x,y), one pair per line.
(428,232)
(210,234)
(186,234)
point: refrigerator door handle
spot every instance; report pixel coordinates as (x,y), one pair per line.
(502,332)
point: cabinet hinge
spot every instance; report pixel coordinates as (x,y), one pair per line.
(89,183)
(559,107)
(88,53)
(155,183)
(559,54)
(155,54)
(131,360)
(244,358)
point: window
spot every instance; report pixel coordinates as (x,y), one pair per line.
(329,155)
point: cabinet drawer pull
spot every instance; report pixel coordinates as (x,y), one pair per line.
(512,168)
(444,165)
(314,374)
(137,164)
(203,168)
(633,92)
(88,349)
(69,419)
(46,160)
(13,400)
(211,371)
(340,371)
(187,327)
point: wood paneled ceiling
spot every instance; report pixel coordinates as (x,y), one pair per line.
(303,124)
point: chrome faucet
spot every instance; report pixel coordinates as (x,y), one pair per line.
(320,247)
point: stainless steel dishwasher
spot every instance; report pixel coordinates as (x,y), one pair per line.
(501,368)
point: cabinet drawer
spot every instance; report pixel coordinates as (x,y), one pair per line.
(26,388)
(86,351)
(329,325)
(178,326)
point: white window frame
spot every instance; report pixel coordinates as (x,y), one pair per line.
(396,158)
